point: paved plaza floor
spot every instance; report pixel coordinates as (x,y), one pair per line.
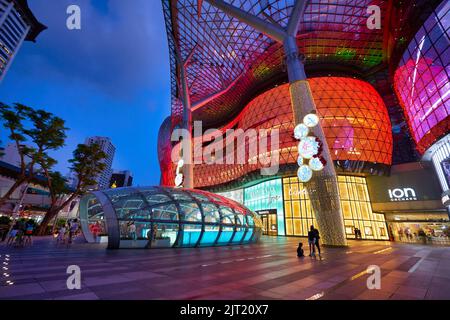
(266,270)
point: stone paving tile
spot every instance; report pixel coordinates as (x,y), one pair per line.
(412,292)
(268,270)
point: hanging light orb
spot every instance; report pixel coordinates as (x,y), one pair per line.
(304,173)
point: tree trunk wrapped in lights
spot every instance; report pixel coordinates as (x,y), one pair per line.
(322,188)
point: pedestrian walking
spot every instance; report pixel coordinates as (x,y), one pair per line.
(316,240)
(311,242)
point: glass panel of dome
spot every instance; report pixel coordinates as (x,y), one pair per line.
(211,213)
(180,195)
(155,198)
(165,235)
(95,215)
(240,231)
(191,234)
(251,221)
(210,235)
(165,212)
(142,214)
(240,220)
(228,216)
(200,197)
(248,235)
(225,235)
(190,212)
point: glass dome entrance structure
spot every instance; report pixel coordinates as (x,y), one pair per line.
(155,217)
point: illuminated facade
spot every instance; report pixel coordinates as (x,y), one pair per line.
(285,203)
(234,75)
(422,80)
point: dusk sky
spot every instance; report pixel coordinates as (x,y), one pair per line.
(111,78)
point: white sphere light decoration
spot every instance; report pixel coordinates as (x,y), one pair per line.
(179,179)
(308,148)
(301,131)
(311,120)
(179,176)
(316,164)
(304,173)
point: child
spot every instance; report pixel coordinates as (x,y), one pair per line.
(300,252)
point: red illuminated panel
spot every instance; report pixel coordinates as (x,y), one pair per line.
(422,81)
(353,115)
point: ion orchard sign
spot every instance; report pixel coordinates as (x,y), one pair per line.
(404,194)
(309,148)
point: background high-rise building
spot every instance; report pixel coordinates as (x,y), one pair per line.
(17,24)
(108,148)
(11,155)
(121,179)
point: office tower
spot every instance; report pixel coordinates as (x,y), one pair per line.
(108,148)
(17,24)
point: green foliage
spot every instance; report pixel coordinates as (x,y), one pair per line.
(35,133)
(61,222)
(87,163)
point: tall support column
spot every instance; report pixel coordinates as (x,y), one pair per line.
(188,168)
(323,187)
(187,154)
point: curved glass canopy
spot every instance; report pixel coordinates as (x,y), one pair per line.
(155,217)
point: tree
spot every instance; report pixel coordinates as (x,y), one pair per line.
(42,130)
(87,163)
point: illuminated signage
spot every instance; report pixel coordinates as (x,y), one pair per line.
(402,194)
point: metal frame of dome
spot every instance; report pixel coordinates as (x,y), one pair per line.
(231,222)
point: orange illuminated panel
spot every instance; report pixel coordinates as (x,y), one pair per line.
(353,116)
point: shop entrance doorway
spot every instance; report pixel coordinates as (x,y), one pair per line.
(269,221)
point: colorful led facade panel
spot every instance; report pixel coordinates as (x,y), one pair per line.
(229,58)
(422,80)
(353,116)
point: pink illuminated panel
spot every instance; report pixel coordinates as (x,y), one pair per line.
(422,79)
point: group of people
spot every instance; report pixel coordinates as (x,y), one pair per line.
(67,232)
(21,233)
(313,241)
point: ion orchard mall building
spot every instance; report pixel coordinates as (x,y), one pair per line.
(382,94)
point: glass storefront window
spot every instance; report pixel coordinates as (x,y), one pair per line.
(355,206)
(267,195)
